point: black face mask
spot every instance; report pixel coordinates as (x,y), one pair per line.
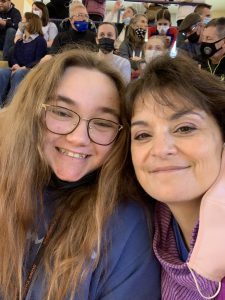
(193,38)
(106,45)
(209,49)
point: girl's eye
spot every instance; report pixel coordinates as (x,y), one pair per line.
(185,129)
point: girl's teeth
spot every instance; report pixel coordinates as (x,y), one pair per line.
(72,154)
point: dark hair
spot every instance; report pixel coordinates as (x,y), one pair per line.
(34,23)
(181,76)
(163,14)
(45,15)
(199,8)
(108,23)
(219,23)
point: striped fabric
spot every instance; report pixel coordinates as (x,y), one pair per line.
(177,282)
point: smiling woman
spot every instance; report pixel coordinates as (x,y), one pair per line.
(176,112)
(63,181)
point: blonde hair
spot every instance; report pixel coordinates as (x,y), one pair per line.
(74,5)
(25,173)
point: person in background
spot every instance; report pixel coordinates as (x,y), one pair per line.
(132,47)
(154,47)
(177,112)
(163,27)
(182,13)
(106,37)
(9,20)
(192,27)
(213,47)
(95,9)
(49,29)
(27,53)
(66,202)
(204,11)
(151,11)
(127,15)
(185,10)
(58,9)
(77,34)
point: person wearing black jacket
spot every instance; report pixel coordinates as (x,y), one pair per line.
(78,34)
(9,19)
(213,47)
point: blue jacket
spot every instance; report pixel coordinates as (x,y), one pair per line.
(29,54)
(128,271)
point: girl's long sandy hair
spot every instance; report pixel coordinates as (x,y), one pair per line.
(25,173)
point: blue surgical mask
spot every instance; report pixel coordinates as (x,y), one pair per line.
(126,21)
(206,20)
(81,26)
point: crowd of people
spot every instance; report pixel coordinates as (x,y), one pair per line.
(112,181)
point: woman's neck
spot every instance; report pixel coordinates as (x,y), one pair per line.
(186,215)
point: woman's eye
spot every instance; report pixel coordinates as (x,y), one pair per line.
(141,136)
(185,129)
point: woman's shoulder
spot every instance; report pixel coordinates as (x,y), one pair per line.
(51,25)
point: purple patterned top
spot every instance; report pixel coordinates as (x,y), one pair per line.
(177,282)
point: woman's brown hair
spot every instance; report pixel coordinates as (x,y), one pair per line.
(34,23)
(181,76)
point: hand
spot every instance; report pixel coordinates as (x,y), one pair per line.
(207,257)
(117,5)
(217,190)
(136,58)
(45,58)
(2,22)
(15,67)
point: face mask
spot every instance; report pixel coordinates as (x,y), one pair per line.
(126,21)
(209,49)
(151,54)
(206,20)
(162,29)
(22,26)
(106,45)
(37,12)
(81,26)
(140,32)
(193,38)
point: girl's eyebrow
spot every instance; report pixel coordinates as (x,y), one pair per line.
(101,109)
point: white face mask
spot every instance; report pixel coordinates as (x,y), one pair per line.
(162,29)
(151,54)
(37,12)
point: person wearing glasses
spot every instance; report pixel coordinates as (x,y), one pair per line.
(77,34)
(69,222)
(192,28)
(9,20)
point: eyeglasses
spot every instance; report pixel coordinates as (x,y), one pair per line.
(80,15)
(190,30)
(63,121)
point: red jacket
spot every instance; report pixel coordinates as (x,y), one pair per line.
(172,33)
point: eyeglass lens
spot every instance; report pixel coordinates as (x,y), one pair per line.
(63,121)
